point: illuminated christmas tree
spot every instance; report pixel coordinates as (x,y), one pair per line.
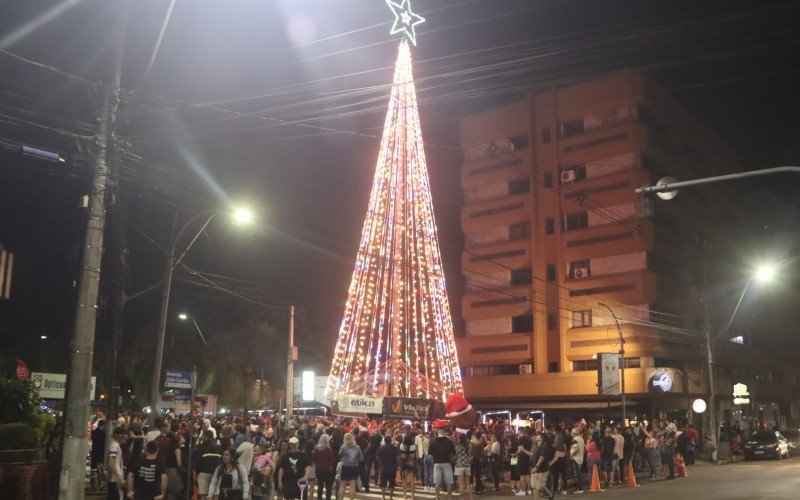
(396,336)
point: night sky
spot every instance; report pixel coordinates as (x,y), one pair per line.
(279,104)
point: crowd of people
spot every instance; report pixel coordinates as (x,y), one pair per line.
(264,458)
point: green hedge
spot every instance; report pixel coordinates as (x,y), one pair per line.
(18,401)
(18,437)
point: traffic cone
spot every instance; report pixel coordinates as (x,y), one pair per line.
(630,476)
(595,481)
(680,466)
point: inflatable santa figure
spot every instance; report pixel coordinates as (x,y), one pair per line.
(460,412)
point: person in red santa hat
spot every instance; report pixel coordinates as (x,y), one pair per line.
(460,412)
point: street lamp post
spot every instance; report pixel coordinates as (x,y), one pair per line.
(241,216)
(184,317)
(622,364)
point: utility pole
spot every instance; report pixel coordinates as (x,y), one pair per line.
(290,367)
(166,288)
(712,412)
(119,269)
(621,364)
(76,412)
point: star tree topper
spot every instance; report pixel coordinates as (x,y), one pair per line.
(404,19)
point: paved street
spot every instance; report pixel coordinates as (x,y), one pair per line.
(744,480)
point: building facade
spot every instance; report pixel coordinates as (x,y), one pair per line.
(557,243)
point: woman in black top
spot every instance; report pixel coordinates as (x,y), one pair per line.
(524,453)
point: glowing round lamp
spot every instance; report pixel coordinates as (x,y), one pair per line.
(699,406)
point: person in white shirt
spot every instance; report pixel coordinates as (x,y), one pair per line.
(115,465)
(207,426)
(245,454)
(619,449)
(576,453)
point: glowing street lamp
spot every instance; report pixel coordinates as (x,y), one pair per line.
(765,273)
(239,216)
(184,317)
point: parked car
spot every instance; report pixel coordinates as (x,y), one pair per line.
(793,438)
(765,444)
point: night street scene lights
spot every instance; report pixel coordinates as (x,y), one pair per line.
(240,216)
(765,273)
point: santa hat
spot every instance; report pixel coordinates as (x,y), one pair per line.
(439,424)
(456,405)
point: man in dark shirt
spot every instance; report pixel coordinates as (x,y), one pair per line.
(542,457)
(207,456)
(370,453)
(387,458)
(607,457)
(442,450)
(292,467)
(147,480)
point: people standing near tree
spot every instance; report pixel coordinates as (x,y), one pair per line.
(387,456)
(230,480)
(576,452)
(492,451)
(691,446)
(147,480)
(524,453)
(442,450)
(207,456)
(115,465)
(463,472)
(476,461)
(428,462)
(370,463)
(408,465)
(324,464)
(608,445)
(668,455)
(421,442)
(543,455)
(292,467)
(351,456)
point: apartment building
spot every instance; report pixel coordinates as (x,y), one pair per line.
(556,241)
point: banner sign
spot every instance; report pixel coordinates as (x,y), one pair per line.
(54,385)
(417,408)
(608,373)
(178,380)
(355,404)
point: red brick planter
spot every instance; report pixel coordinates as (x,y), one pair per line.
(20,477)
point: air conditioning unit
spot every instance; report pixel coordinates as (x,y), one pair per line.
(567,176)
(580,272)
(525,369)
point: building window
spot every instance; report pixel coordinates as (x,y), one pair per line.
(579,269)
(552,367)
(551,272)
(485,371)
(549,226)
(548,180)
(584,365)
(578,172)
(522,276)
(519,231)
(571,128)
(581,319)
(578,220)
(522,324)
(552,321)
(519,186)
(519,142)
(546,134)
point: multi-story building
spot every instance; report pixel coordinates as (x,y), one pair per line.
(556,239)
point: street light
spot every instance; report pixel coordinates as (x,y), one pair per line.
(765,273)
(184,317)
(239,216)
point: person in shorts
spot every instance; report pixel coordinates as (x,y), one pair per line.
(351,456)
(387,456)
(463,470)
(408,464)
(442,449)
(543,455)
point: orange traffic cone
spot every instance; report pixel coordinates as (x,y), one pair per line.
(630,475)
(595,481)
(680,466)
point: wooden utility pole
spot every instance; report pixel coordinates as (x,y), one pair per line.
(81,351)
